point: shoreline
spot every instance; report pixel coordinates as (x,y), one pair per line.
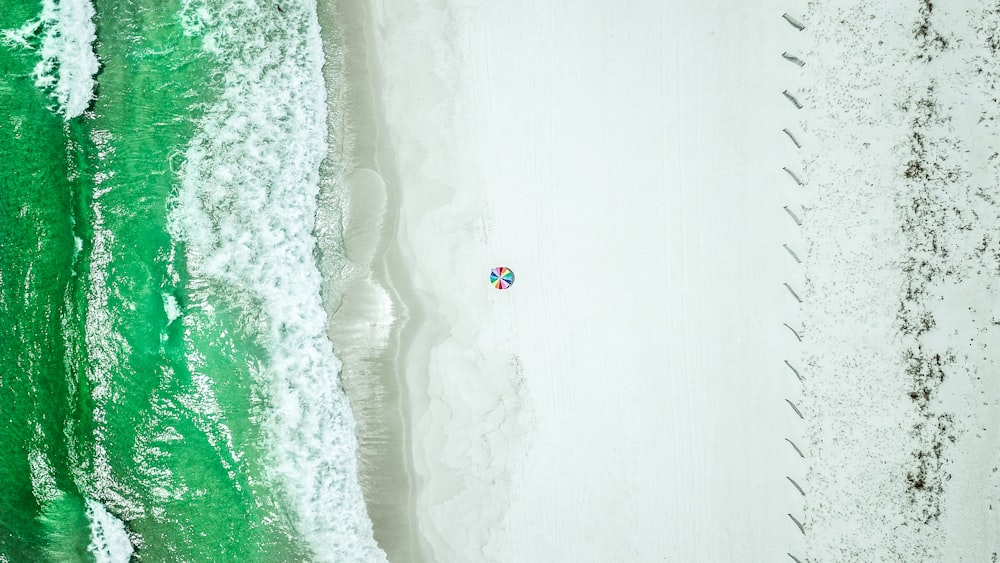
(460,416)
(371,351)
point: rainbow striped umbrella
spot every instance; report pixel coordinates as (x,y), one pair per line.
(501,277)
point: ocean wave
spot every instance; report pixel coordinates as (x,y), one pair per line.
(63,35)
(245,211)
(109,542)
(68,62)
(105,348)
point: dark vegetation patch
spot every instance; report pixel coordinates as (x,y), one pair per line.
(989,29)
(928,217)
(930,41)
(926,477)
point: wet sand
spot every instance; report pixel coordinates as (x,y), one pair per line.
(437,408)
(367,313)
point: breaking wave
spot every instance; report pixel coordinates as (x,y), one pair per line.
(63,35)
(109,542)
(245,211)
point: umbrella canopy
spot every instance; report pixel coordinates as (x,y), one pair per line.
(501,277)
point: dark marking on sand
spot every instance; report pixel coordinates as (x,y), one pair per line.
(797,337)
(792,481)
(797,25)
(795,408)
(795,371)
(798,145)
(792,253)
(792,291)
(797,450)
(799,524)
(793,59)
(793,175)
(792,99)
(793,216)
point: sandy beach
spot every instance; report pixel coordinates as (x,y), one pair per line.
(703,332)
(595,408)
(368,313)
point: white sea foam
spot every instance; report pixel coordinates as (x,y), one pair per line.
(63,35)
(171,307)
(43,481)
(105,348)
(246,211)
(109,541)
(68,62)
(22,36)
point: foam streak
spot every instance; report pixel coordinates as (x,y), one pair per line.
(109,541)
(246,212)
(68,62)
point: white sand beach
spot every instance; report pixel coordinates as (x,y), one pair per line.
(678,365)
(626,396)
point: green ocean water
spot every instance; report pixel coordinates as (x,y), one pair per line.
(131,378)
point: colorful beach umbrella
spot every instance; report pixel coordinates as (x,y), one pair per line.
(501,277)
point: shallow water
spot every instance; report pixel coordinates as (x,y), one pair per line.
(170,387)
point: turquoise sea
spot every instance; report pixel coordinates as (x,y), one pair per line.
(167,388)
